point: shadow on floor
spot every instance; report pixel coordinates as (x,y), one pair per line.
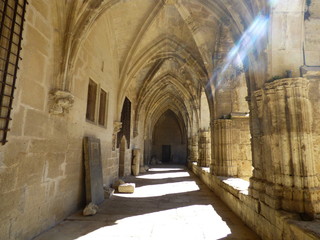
(161,203)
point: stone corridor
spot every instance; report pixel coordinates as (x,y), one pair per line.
(169,202)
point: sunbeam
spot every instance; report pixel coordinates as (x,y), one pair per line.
(248,41)
(273,2)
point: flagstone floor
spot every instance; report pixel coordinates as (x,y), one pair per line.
(168,203)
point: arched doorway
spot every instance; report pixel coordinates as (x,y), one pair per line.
(124,138)
(169,140)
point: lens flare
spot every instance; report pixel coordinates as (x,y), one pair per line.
(273,3)
(248,41)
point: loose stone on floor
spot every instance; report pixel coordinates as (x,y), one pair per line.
(168,203)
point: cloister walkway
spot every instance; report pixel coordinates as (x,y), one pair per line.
(169,203)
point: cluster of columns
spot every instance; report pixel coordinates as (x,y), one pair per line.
(225,148)
(275,150)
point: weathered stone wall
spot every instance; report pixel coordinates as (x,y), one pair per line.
(285,175)
(41,166)
(312,34)
(267,222)
(97,61)
(287,20)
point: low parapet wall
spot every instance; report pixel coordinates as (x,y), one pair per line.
(266,222)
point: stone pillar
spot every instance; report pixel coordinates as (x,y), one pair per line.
(204,149)
(284,175)
(223,160)
(136,161)
(194,149)
(189,149)
(232,149)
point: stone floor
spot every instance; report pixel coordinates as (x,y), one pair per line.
(168,203)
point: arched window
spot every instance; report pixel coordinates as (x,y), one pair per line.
(12,14)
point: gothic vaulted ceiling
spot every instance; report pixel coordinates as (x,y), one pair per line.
(165,49)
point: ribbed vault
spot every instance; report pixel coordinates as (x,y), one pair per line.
(168,55)
(200,16)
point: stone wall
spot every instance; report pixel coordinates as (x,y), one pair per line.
(267,222)
(41,166)
(312,34)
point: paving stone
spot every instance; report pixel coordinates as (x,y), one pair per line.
(192,214)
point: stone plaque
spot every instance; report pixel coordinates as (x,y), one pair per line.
(93,167)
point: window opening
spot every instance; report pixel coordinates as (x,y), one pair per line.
(102,108)
(12,17)
(91,100)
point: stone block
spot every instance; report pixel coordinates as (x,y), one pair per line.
(8,178)
(40,43)
(55,165)
(117,183)
(30,169)
(90,210)
(17,123)
(14,149)
(12,203)
(36,124)
(42,26)
(34,64)
(45,146)
(41,7)
(5,229)
(126,188)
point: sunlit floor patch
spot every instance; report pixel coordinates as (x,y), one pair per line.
(165,169)
(162,189)
(165,175)
(191,222)
(160,208)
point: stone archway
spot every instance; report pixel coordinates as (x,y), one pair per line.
(169,140)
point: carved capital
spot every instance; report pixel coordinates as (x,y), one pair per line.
(287,83)
(61,102)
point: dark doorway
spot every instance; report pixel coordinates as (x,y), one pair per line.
(166,153)
(126,120)
(169,139)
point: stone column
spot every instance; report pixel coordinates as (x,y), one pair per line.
(194,149)
(232,148)
(284,175)
(136,161)
(204,149)
(223,164)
